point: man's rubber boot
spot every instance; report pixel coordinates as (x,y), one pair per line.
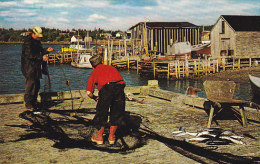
(112,137)
(98,138)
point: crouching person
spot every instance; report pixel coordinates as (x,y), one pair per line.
(111,96)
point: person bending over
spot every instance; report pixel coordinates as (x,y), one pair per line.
(111,96)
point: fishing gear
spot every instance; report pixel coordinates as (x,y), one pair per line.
(45,71)
(68,84)
(67,81)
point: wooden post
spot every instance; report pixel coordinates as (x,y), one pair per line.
(195,68)
(233,63)
(108,51)
(128,63)
(137,67)
(250,60)
(62,59)
(224,63)
(111,53)
(153,70)
(105,56)
(217,65)
(183,69)
(176,69)
(238,63)
(168,74)
(126,54)
(179,69)
(210,116)
(186,66)
(214,65)
(119,49)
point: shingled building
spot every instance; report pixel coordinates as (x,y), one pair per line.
(236,35)
(161,34)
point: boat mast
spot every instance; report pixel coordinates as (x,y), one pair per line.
(78,48)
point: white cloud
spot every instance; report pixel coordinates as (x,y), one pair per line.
(58,5)
(63,20)
(17,13)
(31,1)
(64,13)
(4,13)
(7,4)
(95,17)
(112,16)
(96,4)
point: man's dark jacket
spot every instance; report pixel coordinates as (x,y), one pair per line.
(31,61)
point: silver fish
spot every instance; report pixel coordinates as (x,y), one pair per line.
(197,139)
(236,137)
(176,132)
(233,140)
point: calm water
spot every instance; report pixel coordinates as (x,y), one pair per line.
(12,80)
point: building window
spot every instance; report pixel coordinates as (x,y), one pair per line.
(222,27)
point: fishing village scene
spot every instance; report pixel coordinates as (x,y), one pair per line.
(188,72)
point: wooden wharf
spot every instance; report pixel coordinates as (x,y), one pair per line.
(189,68)
(61,57)
(128,63)
(170,69)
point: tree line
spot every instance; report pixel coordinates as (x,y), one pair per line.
(56,35)
(50,35)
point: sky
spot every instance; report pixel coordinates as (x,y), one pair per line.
(117,14)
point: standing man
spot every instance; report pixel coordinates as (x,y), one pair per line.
(33,61)
(111,95)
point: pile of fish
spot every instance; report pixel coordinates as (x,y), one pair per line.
(211,136)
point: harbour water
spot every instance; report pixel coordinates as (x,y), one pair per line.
(12,80)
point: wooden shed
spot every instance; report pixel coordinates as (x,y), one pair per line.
(156,36)
(236,35)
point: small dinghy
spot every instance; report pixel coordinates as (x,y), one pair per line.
(255,85)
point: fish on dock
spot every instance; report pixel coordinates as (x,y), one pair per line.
(211,136)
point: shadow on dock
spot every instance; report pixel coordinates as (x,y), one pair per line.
(75,132)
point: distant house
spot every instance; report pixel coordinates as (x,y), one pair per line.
(205,37)
(105,35)
(76,38)
(161,34)
(118,35)
(235,35)
(121,34)
(25,33)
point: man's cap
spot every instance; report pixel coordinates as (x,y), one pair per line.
(95,60)
(37,31)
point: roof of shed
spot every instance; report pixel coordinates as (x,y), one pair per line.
(243,23)
(166,24)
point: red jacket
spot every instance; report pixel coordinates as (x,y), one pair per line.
(102,75)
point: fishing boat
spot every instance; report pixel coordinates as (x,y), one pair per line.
(82,61)
(255,85)
(74,47)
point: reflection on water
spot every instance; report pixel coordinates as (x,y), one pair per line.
(12,80)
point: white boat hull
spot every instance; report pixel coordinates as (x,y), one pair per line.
(86,65)
(255,85)
(83,61)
